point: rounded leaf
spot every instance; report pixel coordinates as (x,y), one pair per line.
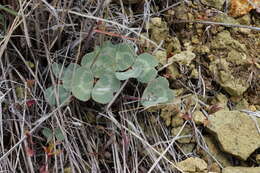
(147,75)
(147,60)
(47,133)
(58,134)
(57,69)
(125,56)
(104,64)
(68,76)
(88,59)
(156,92)
(102,60)
(105,87)
(131,73)
(63,95)
(147,63)
(82,83)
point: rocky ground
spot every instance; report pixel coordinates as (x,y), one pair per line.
(221,66)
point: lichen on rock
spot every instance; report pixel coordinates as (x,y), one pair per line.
(193,165)
(240,169)
(235,131)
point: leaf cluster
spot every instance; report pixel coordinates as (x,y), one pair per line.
(100,74)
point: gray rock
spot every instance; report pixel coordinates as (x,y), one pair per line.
(193,165)
(235,86)
(215,151)
(241,170)
(184,57)
(236,132)
(224,40)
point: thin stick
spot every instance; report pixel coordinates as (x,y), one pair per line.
(219,23)
(117,94)
(111,22)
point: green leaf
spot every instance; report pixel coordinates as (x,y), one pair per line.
(105,88)
(147,63)
(131,73)
(63,95)
(58,134)
(8,10)
(102,60)
(82,83)
(147,60)
(104,64)
(47,133)
(89,58)
(147,75)
(157,92)
(125,56)
(69,75)
(58,70)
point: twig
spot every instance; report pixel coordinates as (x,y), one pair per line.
(219,23)
(117,94)
(111,22)
(93,25)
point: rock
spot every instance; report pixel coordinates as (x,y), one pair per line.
(161,56)
(194,73)
(170,116)
(221,100)
(236,57)
(245,31)
(222,72)
(214,168)
(242,104)
(202,49)
(242,7)
(187,148)
(193,165)
(234,86)
(187,132)
(241,170)
(218,4)
(173,45)
(188,46)
(184,58)
(236,132)
(215,151)
(173,71)
(244,20)
(257,158)
(177,121)
(224,18)
(224,41)
(158,29)
(199,118)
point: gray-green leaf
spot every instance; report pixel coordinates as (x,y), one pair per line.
(105,88)
(47,133)
(124,56)
(131,73)
(68,76)
(63,94)
(82,83)
(156,92)
(58,134)
(57,69)
(147,63)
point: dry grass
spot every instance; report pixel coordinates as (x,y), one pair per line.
(40,34)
